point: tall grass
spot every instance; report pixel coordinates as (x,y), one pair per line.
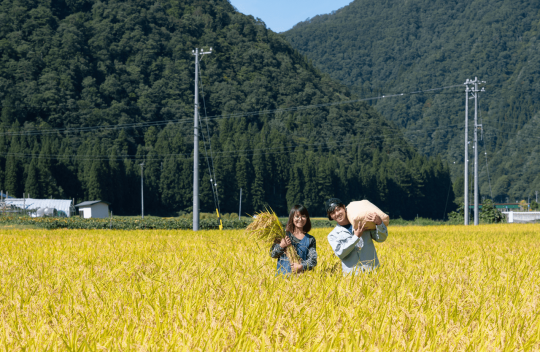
(439,288)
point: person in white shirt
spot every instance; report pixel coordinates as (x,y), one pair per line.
(354,247)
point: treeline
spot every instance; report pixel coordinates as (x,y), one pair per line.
(270,167)
(92,89)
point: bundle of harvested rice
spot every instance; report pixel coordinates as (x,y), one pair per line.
(267,228)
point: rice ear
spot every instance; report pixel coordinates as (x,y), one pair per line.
(267,228)
(292,255)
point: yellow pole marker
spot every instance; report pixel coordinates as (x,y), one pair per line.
(220,221)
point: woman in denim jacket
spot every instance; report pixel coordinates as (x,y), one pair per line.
(297,236)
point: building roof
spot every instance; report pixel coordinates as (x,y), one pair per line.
(91,202)
(499,206)
(507,205)
(33,204)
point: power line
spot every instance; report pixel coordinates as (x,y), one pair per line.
(186,106)
(485,152)
(211,170)
(138,106)
(213,117)
(326,144)
(413,132)
(196,53)
(512,133)
(176,106)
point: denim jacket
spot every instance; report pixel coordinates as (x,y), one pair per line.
(357,253)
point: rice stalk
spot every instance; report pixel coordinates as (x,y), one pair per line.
(439,288)
(267,228)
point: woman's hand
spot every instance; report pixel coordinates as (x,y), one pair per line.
(285,242)
(373,217)
(297,268)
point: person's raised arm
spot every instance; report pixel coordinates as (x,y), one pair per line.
(342,244)
(381,234)
(278,249)
(382,231)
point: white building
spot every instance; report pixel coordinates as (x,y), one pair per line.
(522,216)
(64,207)
(94,209)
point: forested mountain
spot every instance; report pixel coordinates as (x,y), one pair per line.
(383,47)
(91,89)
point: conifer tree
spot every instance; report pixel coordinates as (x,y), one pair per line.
(295,187)
(32,180)
(96,180)
(257,188)
(3,150)
(47,181)
(243,181)
(13,175)
(310,189)
(169,197)
(324,181)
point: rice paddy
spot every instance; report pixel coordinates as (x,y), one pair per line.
(439,288)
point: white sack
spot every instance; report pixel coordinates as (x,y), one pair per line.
(357,212)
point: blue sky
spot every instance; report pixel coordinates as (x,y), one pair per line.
(281,15)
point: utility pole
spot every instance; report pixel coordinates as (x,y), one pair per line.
(475,146)
(466,189)
(475,151)
(536,196)
(197,53)
(476,127)
(142,193)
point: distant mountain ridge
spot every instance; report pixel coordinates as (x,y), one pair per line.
(403,46)
(89,90)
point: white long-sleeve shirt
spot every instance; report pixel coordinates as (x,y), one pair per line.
(357,253)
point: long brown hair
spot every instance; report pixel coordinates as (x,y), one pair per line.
(303,211)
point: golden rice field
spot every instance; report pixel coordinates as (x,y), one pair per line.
(447,288)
